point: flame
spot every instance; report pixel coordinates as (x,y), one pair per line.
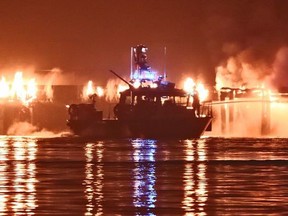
(5,90)
(113,89)
(89,90)
(203,93)
(191,88)
(121,88)
(99,91)
(189,85)
(31,90)
(49,92)
(136,84)
(19,90)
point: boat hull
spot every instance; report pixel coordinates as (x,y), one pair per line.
(182,129)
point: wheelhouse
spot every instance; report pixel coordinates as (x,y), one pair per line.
(155,96)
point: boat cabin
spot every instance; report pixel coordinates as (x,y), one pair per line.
(146,102)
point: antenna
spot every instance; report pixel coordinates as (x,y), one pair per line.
(131,64)
(165,75)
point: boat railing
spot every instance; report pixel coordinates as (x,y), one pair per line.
(206,109)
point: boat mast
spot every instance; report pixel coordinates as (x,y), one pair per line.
(165,75)
(131,64)
(141,69)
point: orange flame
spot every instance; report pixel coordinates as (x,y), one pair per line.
(18,90)
(203,93)
(121,88)
(99,91)
(191,88)
(5,90)
(89,90)
(189,85)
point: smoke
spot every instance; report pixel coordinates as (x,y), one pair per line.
(249,70)
(280,69)
(27,129)
(244,118)
(56,76)
(21,128)
(243,69)
(248,40)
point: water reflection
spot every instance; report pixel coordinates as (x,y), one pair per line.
(3,175)
(18,179)
(194,178)
(94,182)
(145,195)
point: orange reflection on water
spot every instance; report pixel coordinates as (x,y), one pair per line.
(3,175)
(194,179)
(94,182)
(3,202)
(19,150)
(22,194)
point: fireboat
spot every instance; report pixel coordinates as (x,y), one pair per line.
(150,108)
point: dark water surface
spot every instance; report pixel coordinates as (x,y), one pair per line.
(207,176)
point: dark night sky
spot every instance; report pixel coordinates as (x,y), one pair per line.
(91,37)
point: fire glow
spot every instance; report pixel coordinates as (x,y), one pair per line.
(89,90)
(253,95)
(191,88)
(121,88)
(19,89)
